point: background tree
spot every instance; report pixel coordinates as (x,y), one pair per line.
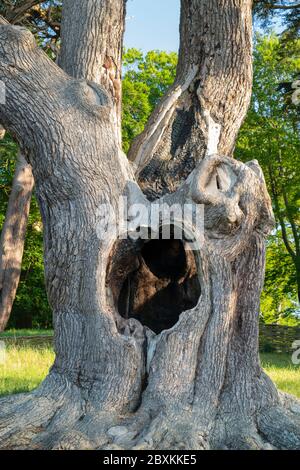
(271,131)
(279,298)
(284,11)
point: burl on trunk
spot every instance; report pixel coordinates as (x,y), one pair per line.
(156,345)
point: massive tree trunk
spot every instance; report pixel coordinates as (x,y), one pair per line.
(91,50)
(156,344)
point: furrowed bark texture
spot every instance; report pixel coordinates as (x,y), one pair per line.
(126,375)
(74,175)
(13,236)
(213,82)
(92,33)
(104,23)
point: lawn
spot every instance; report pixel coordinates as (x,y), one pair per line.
(282,371)
(26,365)
(26,332)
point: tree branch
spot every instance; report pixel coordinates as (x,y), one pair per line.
(3,20)
(177,134)
(32,82)
(16,14)
(55,118)
(291,221)
(37,89)
(283,7)
(93,49)
(278,213)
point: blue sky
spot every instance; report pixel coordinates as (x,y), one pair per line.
(152,24)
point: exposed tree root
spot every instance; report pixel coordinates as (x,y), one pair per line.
(35,422)
(25,416)
(290,402)
(233,433)
(280,427)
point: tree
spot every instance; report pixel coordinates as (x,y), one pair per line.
(271,130)
(288,12)
(278,302)
(43,18)
(115,383)
(38,15)
(145,79)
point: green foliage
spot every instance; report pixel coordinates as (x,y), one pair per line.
(136,109)
(266,14)
(278,304)
(30,308)
(146,79)
(8,150)
(271,135)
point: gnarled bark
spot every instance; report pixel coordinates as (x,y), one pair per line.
(104,23)
(115,383)
(92,33)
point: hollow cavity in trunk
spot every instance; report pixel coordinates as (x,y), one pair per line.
(159,283)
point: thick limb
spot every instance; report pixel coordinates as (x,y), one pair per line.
(212,86)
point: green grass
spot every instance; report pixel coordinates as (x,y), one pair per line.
(26,332)
(24,368)
(27,364)
(282,371)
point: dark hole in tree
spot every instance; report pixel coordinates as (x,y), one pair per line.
(163,286)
